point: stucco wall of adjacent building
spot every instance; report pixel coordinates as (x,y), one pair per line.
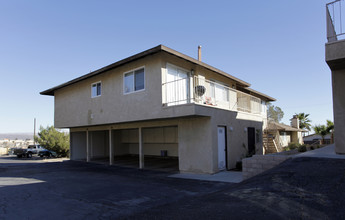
(335,58)
(285,138)
(296,137)
(338,80)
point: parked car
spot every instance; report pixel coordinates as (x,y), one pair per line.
(47,153)
(29,151)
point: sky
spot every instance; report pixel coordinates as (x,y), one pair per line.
(276,46)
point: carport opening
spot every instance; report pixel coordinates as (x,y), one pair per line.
(99,145)
(160,148)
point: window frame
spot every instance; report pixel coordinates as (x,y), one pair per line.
(132,71)
(96,83)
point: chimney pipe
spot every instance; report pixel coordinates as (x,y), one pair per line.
(199,52)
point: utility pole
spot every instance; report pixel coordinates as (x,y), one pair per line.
(34,130)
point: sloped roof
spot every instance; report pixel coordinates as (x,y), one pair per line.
(151,51)
(281,127)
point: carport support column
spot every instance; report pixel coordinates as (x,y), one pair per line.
(111,156)
(87,147)
(141,152)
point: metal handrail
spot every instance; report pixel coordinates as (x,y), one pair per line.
(333,30)
(173,95)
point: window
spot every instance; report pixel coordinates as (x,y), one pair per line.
(96,89)
(134,80)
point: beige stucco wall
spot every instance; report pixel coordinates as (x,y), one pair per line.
(195,145)
(74,106)
(3,151)
(296,137)
(237,136)
(286,137)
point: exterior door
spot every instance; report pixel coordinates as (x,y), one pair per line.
(221,148)
(251,141)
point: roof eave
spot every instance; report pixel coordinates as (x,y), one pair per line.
(268,98)
(141,55)
(106,68)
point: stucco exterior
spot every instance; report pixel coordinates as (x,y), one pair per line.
(335,58)
(141,122)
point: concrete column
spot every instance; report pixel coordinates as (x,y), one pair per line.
(335,58)
(338,83)
(141,152)
(87,147)
(111,153)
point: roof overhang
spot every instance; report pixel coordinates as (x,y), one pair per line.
(159,48)
(260,95)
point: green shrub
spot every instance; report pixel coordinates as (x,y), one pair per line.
(302,148)
(312,148)
(286,148)
(54,140)
(293,145)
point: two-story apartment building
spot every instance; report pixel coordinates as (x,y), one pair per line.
(162,100)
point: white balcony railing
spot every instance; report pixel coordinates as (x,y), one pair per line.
(205,92)
(335,26)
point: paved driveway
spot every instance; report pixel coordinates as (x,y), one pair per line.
(50,189)
(300,188)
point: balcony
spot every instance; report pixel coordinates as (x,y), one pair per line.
(335,26)
(201,91)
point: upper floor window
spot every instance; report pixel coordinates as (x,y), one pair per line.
(96,89)
(134,80)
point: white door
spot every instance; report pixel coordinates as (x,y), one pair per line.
(221,148)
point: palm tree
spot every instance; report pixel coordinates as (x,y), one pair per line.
(330,128)
(304,121)
(322,131)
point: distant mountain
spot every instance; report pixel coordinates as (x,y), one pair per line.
(19,136)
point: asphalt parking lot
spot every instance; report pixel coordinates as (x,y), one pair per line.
(51,189)
(299,188)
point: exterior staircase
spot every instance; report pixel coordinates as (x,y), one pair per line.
(269,144)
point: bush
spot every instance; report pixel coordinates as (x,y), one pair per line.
(54,140)
(286,148)
(293,145)
(302,148)
(239,165)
